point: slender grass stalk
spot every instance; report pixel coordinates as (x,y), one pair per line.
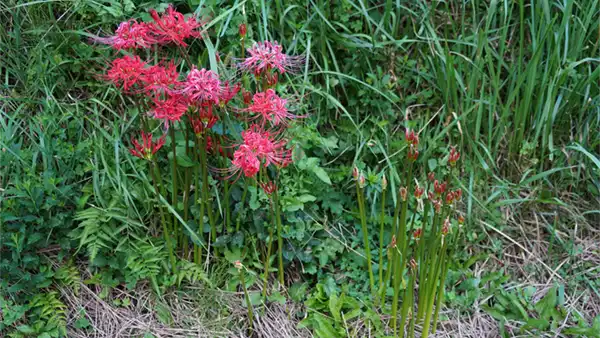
(432,289)
(243,204)
(153,167)
(268,261)
(363,222)
(407,304)
(198,199)
(186,195)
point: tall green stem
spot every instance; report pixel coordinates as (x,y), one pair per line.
(363,222)
(248,304)
(279,238)
(174,179)
(381,232)
(199,199)
(153,165)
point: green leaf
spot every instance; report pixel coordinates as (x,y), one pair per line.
(322,174)
(183,160)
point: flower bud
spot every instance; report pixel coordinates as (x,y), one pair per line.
(411,137)
(413,153)
(361,180)
(419,191)
(431,176)
(393,242)
(269,187)
(238,265)
(247,97)
(355,173)
(384,183)
(242,30)
(449,198)
(457,194)
(453,157)
(446,227)
(417,234)
(461,219)
(437,204)
(439,188)
(430,196)
(403,194)
(413,264)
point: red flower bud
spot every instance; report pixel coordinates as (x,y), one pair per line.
(449,198)
(446,227)
(413,153)
(453,157)
(417,234)
(431,176)
(413,264)
(403,194)
(269,187)
(419,191)
(361,180)
(430,196)
(393,242)
(355,173)
(437,204)
(242,30)
(411,137)
(384,183)
(461,219)
(247,97)
(238,265)
(457,194)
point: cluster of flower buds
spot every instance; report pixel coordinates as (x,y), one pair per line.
(453,196)
(453,156)
(417,234)
(439,188)
(419,192)
(413,140)
(446,227)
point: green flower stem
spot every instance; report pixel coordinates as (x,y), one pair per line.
(248,304)
(227,222)
(198,173)
(388,275)
(205,199)
(381,221)
(432,289)
(279,238)
(429,267)
(186,195)
(268,260)
(174,179)
(363,222)
(165,228)
(407,304)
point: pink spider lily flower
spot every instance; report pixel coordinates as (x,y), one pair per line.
(259,147)
(126,72)
(171,108)
(265,56)
(129,35)
(148,147)
(267,106)
(228,93)
(202,86)
(158,79)
(173,27)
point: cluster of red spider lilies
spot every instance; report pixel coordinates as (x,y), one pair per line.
(191,105)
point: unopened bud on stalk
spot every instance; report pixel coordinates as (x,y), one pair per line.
(457,194)
(355,173)
(430,196)
(461,220)
(439,188)
(446,227)
(419,192)
(411,137)
(384,183)
(247,97)
(431,176)
(417,234)
(238,265)
(242,30)
(449,198)
(361,180)
(413,264)
(437,204)
(393,242)
(413,153)
(403,194)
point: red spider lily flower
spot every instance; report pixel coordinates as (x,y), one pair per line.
(272,79)
(431,176)
(439,188)
(148,147)
(269,107)
(269,187)
(384,183)
(259,146)
(413,153)
(171,108)
(453,157)
(243,30)
(228,93)
(264,56)
(158,79)
(127,71)
(417,234)
(247,96)
(202,86)
(419,191)
(205,120)
(173,27)
(403,194)
(129,35)
(246,160)
(411,137)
